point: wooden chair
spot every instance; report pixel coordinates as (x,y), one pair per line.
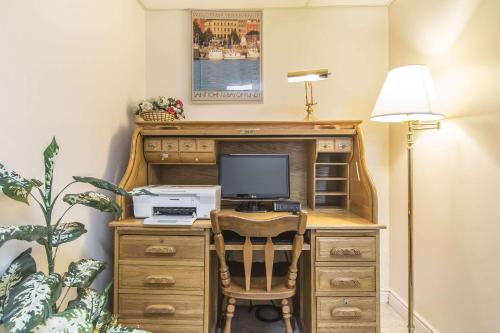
(270,289)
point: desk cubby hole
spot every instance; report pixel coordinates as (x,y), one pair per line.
(331,181)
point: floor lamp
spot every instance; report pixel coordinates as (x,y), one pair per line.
(408,96)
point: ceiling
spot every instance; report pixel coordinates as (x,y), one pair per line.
(253,4)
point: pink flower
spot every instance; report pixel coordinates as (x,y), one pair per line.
(179,103)
(171,110)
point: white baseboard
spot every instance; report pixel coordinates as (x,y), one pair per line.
(384,296)
(401,307)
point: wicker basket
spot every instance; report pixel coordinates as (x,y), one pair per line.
(158,116)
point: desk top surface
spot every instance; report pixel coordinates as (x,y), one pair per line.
(315,220)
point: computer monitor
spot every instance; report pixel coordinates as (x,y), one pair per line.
(253,177)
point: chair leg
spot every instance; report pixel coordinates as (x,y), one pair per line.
(229,314)
(285,307)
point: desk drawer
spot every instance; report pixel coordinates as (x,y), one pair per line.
(161,277)
(163,157)
(346,309)
(167,309)
(162,248)
(326,145)
(205,145)
(170,144)
(187,145)
(152,144)
(345,278)
(343,329)
(346,249)
(197,157)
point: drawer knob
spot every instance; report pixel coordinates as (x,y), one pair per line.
(159,309)
(163,156)
(345,251)
(346,312)
(158,249)
(196,159)
(160,279)
(345,282)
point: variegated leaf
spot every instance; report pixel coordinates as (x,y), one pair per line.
(94,200)
(67,232)
(90,300)
(105,320)
(101,183)
(49,157)
(69,321)
(21,267)
(30,302)
(16,187)
(141,191)
(121,329)
(82,273)
(27,233)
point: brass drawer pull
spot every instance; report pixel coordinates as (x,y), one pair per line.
(160,279)
(164,156)
(158,249)
(159,309)
(345,282)
(346,312)
(345,251)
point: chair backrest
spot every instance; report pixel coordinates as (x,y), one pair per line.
(258,228)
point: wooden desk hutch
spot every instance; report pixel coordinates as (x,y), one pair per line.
(166,277)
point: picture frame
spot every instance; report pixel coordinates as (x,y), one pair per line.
(226,56)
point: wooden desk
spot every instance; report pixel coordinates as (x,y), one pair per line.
(166,277)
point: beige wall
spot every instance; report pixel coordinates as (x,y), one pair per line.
(351,42)
(70,69)
(457,228)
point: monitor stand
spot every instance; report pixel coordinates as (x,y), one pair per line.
(251,207)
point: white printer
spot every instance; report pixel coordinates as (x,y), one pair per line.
(171,205)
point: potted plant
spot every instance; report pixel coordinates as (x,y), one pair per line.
(160,109)
(30,301)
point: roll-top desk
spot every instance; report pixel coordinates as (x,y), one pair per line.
(166,277)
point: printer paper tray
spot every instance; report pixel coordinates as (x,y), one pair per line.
(165,221)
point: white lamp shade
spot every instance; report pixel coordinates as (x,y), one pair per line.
(407,95)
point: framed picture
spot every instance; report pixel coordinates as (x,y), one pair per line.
(226,56)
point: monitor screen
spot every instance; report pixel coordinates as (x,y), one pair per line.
(244,176)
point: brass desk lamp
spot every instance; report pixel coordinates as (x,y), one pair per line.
(408,96)
(307,77)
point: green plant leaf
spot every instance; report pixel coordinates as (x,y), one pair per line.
(27,233)
(94,200)
(21,267)
(49,157)
(121,329)
(67,232)
(105,320)
(90,300)
(102,184)
(16,187)
(142,191)
(30,302)
(69,321)
(82,273)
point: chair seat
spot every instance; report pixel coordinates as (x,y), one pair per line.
(258,290)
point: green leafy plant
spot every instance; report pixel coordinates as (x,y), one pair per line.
(29,300)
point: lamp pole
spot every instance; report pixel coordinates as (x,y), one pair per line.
(412,127)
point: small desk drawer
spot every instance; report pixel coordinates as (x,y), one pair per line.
(174,309)
(326,145)
(152,144)
(205,145)
(187,145)
(170,144)
(197,158)
(346,249)
(162,248)
(345,278)
(346,309)
(343,329)
(161,277)
(343,145)
(163,157)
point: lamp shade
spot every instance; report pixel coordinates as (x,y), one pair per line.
(308,76)
(407,95)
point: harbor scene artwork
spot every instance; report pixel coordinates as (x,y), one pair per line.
(227,56)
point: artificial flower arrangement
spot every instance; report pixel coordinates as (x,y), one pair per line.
(161,108)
